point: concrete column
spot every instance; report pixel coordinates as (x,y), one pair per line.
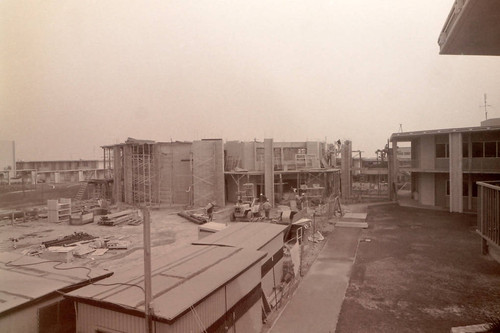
(33,177)
(81,178)
(269,170)
(57,177)
(345,166)
(456,172)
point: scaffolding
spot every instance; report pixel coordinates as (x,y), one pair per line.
(142,159)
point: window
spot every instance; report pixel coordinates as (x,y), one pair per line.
(441,150)
(490,149)
(465,149)
(477,149)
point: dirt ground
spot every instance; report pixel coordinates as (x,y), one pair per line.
(419,271)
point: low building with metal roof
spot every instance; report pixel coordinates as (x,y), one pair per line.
(196,288)
(31,293)
(261,236)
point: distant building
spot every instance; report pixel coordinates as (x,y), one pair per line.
(7,160)
(447,163)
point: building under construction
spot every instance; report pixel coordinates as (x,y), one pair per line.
(194,173)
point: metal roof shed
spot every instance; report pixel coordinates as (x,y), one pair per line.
(259,236)
(31,293)
(195,288)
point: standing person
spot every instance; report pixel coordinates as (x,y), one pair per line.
(210,210)
(267,208)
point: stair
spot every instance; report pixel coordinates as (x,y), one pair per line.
(81,191)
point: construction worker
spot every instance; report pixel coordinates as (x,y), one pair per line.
(267,208)
(210,210)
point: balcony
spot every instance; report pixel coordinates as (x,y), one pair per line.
(488,215)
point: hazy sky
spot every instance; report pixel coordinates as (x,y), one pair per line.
(75,75)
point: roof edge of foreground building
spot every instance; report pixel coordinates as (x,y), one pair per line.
(194,286)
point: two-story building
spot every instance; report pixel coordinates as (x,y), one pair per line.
(447,163)
(276,168)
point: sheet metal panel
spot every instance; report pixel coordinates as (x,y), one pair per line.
(21,284)
(247,235)
(250,322)
(239,287)
(89,318)
(181,283)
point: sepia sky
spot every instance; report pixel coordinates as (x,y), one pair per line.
(76,75)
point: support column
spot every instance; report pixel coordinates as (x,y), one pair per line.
(393,164)
(456,173)
(346,176)
(269,170)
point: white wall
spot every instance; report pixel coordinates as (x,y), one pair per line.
(426,189)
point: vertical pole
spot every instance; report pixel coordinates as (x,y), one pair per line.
(147,270)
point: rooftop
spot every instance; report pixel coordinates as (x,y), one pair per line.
(179,280)
(24,279)
(252,236)
(407,135)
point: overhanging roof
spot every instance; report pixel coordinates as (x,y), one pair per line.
(472,28)
(410,135)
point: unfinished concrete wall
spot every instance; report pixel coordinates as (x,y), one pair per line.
(208,172)
(269,169)
(248,158)
(314,148)
(174,173)
(346,169)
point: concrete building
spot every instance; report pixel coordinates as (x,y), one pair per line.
(447,163)
(166,173)
(195,173)
(276,168)
(31,293)
(196,288)
(471,28)
(60,171)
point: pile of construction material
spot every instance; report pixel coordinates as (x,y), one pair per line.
(194,217)
(78,244)
(129,216)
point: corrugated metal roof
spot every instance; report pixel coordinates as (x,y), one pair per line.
(179,280)
(24,279)
(252,235)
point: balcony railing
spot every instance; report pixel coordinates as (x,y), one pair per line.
(488,214)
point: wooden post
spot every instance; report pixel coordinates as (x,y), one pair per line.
(148,304)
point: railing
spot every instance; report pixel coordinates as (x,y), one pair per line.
(488,214)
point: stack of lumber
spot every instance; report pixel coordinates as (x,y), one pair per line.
(129,216)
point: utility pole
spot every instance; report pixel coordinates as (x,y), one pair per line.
(148,308)
(485,106)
